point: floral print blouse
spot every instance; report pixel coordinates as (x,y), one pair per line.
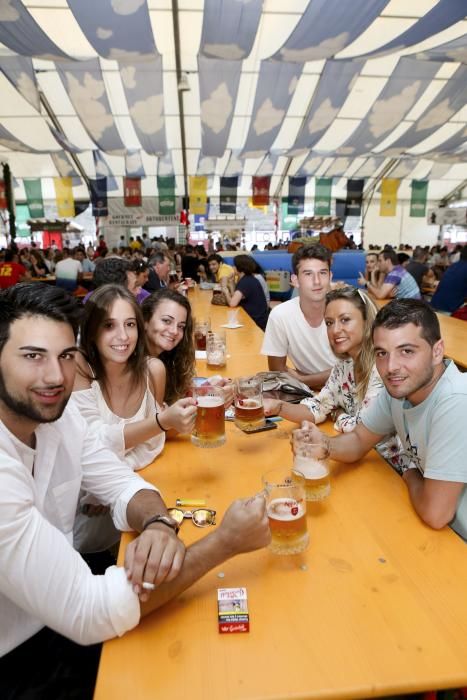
(339,392)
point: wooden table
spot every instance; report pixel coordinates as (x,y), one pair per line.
(376,605)
(453,332)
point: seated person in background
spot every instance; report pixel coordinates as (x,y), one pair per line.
(248,292)
(451,292)
(120,393)
(397,281)
(38,266)
(68,273)
(50,602)
(87,264)
(168,324)
(372,273)
(218,268)
(190,264)
(296,328)
(11,271)
(354,381)
(417,266)
(425,402)
(114,270)
(159,268)
(261,277)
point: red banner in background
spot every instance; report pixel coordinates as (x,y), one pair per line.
(132,191)
(3,203)
(260,192)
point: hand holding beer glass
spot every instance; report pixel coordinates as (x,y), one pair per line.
(286,509)
(248,401)
(310,460)
(209,429)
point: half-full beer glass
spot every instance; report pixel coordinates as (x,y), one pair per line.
(248,402)
(209,429)
(200,332)
(286,507)
(309,459)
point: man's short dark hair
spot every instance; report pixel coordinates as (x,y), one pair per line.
(311,251)
(37,299)
(9,255)
(390,254)
(157,258)
(245,264)
(111,271)
(400,312)
(216,257)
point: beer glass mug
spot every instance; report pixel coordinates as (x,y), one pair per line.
(201,330)
(216,349)
(209,428)
(248,402)
(286,508)
(309,459)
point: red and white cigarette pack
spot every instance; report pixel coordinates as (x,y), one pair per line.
(232,610)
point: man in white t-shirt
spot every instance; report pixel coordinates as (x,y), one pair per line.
(296,328)
(50,602)
(68,272)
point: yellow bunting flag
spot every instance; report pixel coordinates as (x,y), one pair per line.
(198,194)
(64,195)
(388,202)
(262,208)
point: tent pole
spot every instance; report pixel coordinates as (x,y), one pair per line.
(178,66)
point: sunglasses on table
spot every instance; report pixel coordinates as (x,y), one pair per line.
(202,517)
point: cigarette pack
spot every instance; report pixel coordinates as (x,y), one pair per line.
(232,610)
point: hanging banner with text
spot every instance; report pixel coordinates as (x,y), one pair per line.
(228,195)
(418,198)
(99,196)
(64,195)
(33,190)
(388,202)
(132,191)
(166,190)
(260,191)
(296,198)
(134,217)
(323,186)
(198,194)
(353,200)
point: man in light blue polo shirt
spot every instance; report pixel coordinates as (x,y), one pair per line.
(425,401)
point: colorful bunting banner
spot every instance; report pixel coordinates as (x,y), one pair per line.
(64,195)
(323,186)
(388,202)
(260,191)
(33,190)
(166,189)
(3,202)
(198,194)
(132,191)
(353,201)
(418,198)
(99,196)
(228,200)
(296,198)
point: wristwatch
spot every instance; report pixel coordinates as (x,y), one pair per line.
(165,520)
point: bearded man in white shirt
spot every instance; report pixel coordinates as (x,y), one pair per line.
(50,602)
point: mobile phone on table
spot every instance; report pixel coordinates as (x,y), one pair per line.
(268,425)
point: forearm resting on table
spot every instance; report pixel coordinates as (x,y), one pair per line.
(350,447)
(200,557)
(295,412)
(435,502)
(144,505)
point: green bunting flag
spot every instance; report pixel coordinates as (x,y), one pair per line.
(323,187)
(33,191)
(418,198)
(166,188)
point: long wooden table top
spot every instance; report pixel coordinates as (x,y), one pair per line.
(453,332)
(376,604)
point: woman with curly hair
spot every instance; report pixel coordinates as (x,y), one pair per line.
(169,336)
(354,381)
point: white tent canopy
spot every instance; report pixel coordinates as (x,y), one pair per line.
(99,86)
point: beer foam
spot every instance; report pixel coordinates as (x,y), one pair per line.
(281,509)
(209,401)
(310,468)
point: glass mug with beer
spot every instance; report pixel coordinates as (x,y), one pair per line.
(202,327)
(310,460)
(216,349)
(286,508)
(248,403)
(209,428)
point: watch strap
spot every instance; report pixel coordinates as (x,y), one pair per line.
(165,520)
